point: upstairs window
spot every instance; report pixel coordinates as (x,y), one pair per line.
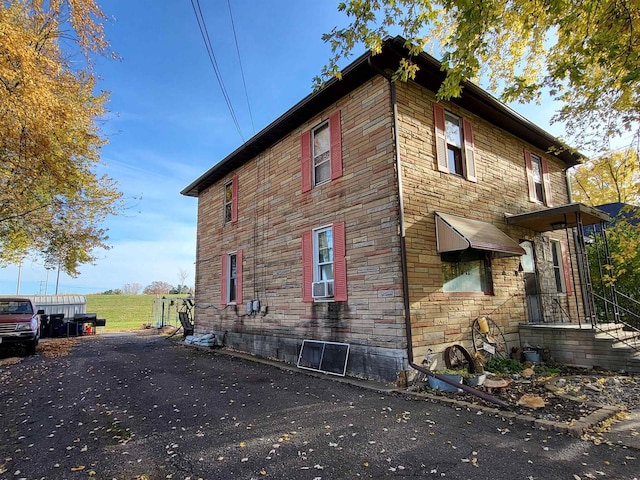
(536,171)
(321,153)
(538,178)
(231,201)
(453,134)
(455,150)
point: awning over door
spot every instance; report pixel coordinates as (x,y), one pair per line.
(559,218)
(455,233)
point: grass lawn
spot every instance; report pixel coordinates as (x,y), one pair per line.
(122,312)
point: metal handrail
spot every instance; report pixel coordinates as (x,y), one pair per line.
(623,323)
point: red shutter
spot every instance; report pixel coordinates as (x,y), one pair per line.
(305,160)
(469,150)
(239,277)
(441,139)
(339,263)
(546,180)
(223,281)
(234,199)
(527,164)
(307,266)
(566,267)
(335,137)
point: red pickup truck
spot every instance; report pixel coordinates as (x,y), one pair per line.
(19,323)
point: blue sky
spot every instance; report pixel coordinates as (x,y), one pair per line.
(169,122)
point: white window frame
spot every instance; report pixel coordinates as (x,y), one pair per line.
(232,277)
(539,180)
(559,278)
(455,119)
(315,165)
(228,204)
(316,254)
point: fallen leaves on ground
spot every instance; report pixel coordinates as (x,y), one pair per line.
(58,347)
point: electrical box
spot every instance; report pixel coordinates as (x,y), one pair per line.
(249,307)
(256,305)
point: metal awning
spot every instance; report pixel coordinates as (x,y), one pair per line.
(558,218)
(455,233)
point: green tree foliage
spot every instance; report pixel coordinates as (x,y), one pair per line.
(52,202)
(585,55)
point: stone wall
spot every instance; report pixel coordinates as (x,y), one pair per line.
(440,319)
(273,213)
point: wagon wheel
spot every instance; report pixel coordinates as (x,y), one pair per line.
(491,344)
(456,357)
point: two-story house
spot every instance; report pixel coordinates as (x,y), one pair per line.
(372,214)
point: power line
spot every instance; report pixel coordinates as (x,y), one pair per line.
(212,58)
(244,84)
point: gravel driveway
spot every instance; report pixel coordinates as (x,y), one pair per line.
(142,407)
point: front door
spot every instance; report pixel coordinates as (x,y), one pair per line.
(531,284)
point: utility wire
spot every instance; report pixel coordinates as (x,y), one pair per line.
(244,84)
(212,58)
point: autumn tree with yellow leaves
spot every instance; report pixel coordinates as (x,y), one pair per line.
(584,55)
(613,178)
(52,201)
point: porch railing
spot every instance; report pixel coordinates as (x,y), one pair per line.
(626,315)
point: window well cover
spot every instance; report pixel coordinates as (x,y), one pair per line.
(455,233)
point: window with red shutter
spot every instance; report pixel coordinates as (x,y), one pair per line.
(455,150)
(231,201)
(321,153)
(324,264)
(538,178)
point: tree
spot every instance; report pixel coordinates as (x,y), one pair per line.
(115,291)
(131,288)
(585,55)
(157,288)
(52,202)
(608,179)
(613,178)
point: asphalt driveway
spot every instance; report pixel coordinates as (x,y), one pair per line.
(143,407)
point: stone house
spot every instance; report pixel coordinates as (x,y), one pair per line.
(373,215)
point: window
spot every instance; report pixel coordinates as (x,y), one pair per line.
(323,254)
(324,267)
(455,150)
(228,200)
(453,133)
(538,178)
(231,279)
(231,201)
(321,153)
(468,271)
(558,267)
(536,171)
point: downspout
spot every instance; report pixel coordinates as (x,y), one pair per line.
(568,183)
(403,257)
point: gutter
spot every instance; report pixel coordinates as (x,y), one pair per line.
(403,256)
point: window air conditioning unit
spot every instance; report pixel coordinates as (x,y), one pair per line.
(322,289)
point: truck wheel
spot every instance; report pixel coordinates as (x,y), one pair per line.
(30,348)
